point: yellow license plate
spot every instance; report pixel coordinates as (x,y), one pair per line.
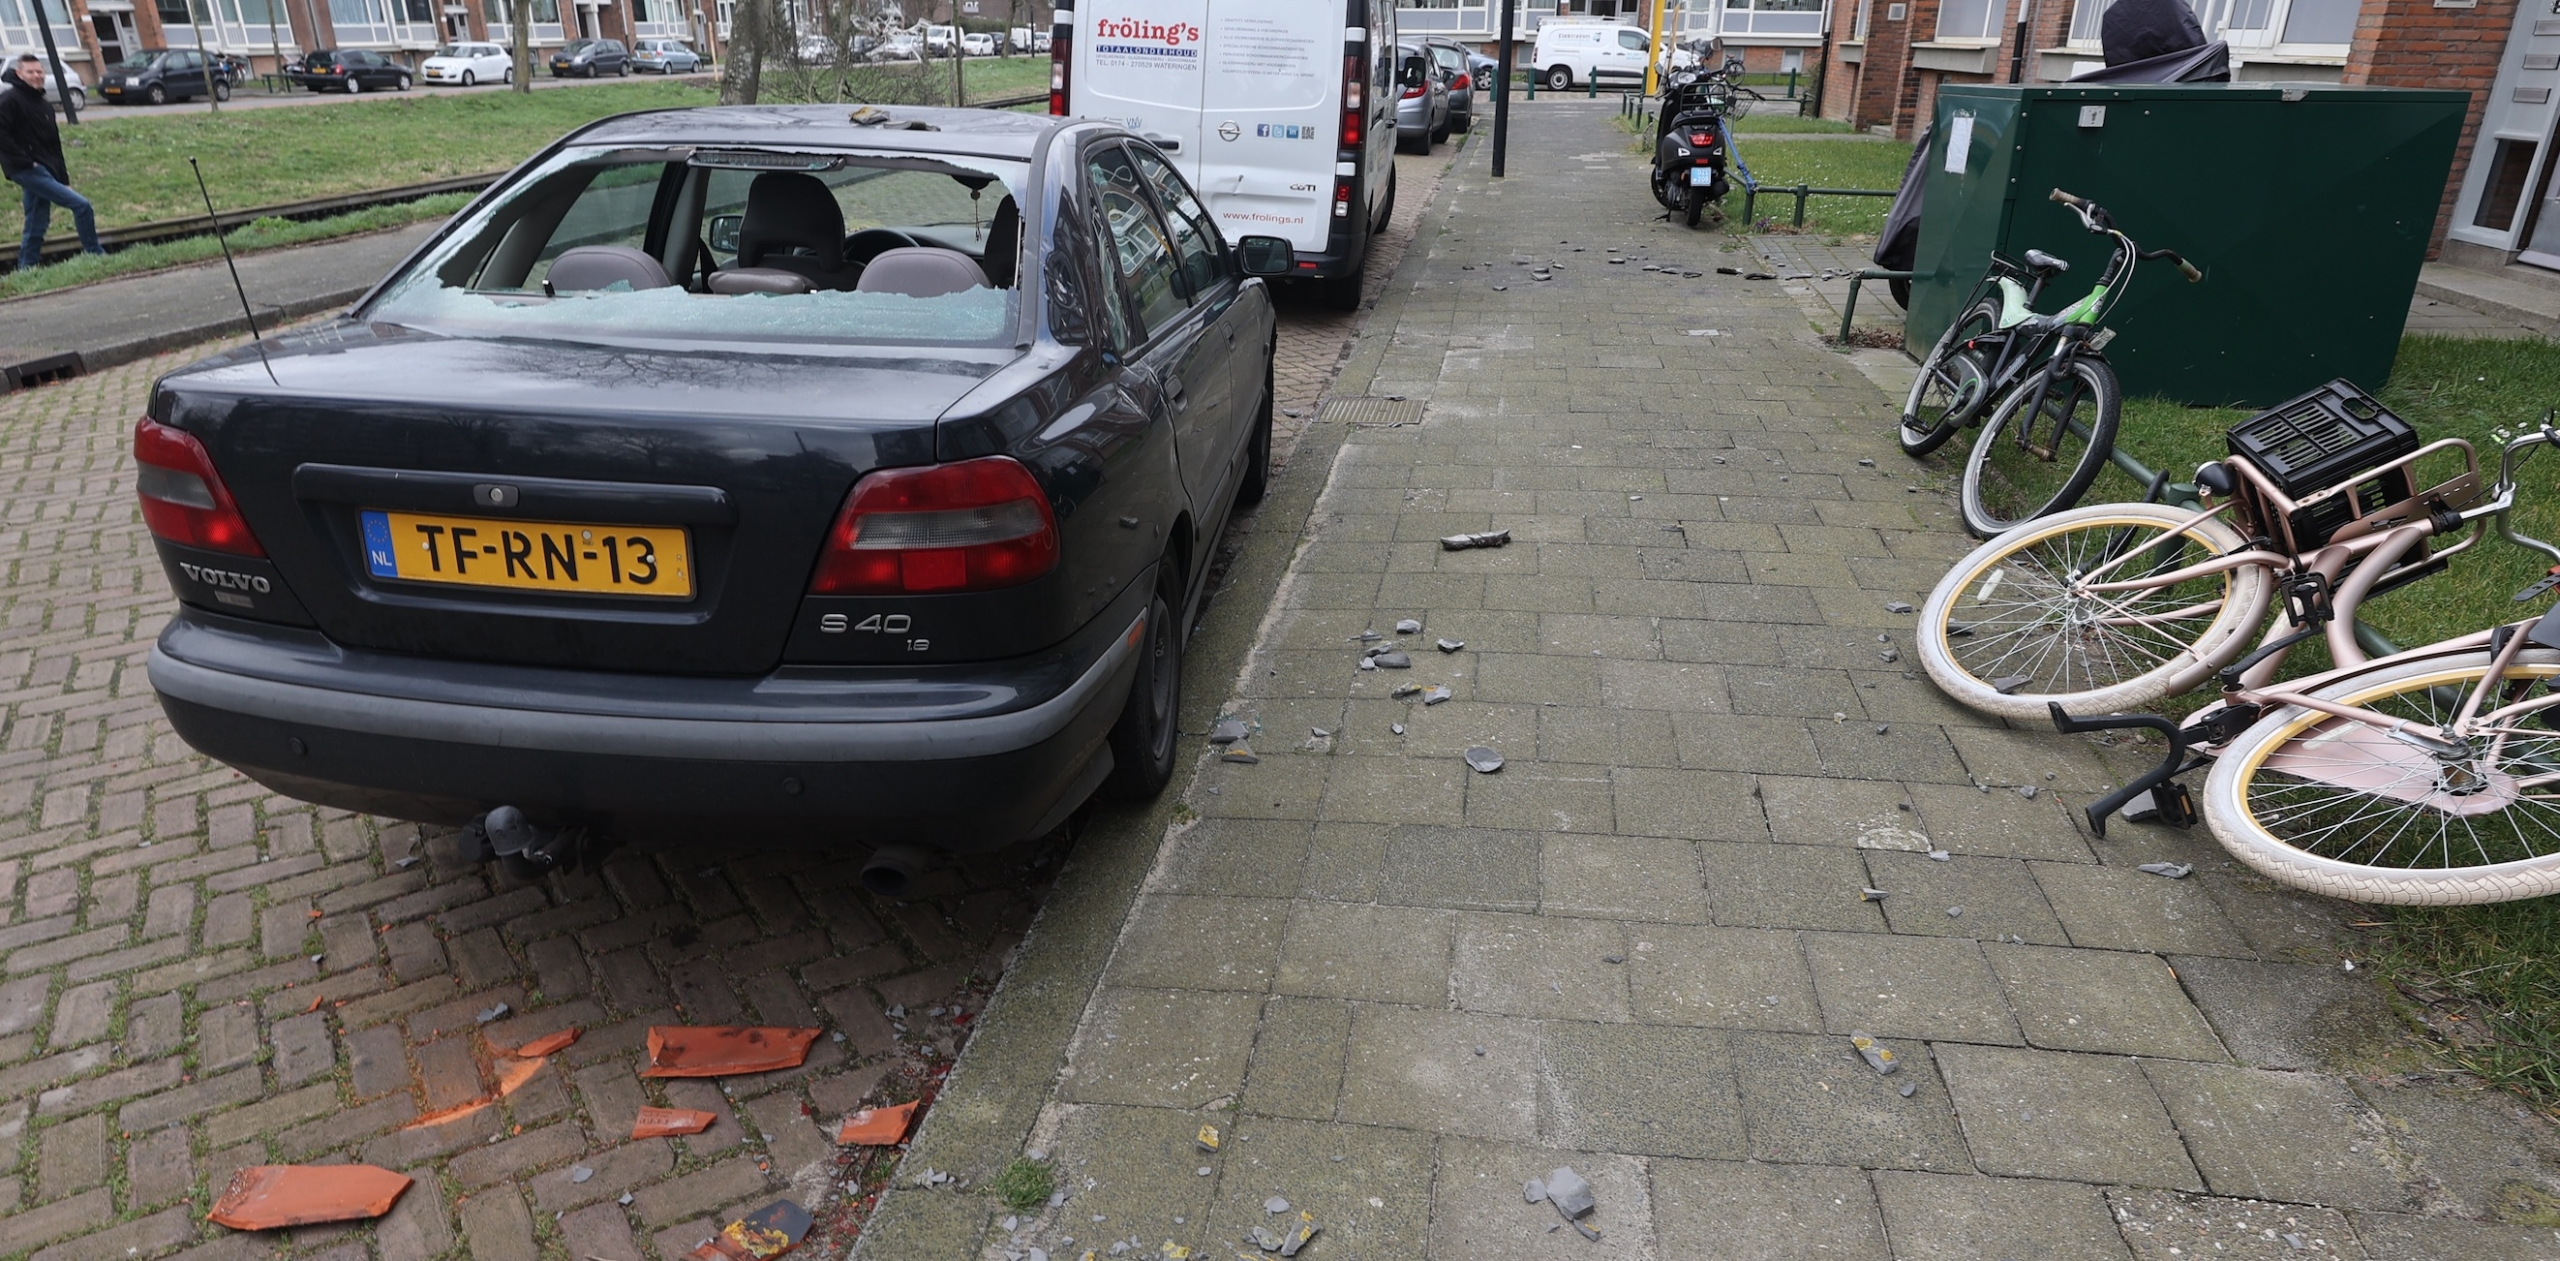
(626,560)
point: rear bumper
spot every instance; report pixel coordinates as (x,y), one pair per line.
(960,758)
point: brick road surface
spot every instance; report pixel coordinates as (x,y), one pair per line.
(197,975)
(1400,988)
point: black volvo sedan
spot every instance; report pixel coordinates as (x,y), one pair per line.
(732,474)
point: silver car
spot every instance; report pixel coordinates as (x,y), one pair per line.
(1453,63)
(1422,100)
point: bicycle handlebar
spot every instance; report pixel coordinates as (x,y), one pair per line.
(2095,218)
(2076,203)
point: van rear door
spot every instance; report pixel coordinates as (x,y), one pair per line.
(1271,118)
(1139,63)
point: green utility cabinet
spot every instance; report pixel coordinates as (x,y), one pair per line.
(2308,207)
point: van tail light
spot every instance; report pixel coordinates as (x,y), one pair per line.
(1354,102)
(183,499)
(1342,197)
(1061,40)
(976,525)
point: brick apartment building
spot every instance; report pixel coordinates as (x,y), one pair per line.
(91,33)
(1886,60)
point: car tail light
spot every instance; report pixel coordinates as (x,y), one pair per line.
(183,499)
(1354,101)
(1461,83)
(1414,91)
(1062,37)
(972,526)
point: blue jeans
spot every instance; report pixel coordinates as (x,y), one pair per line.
(43,193)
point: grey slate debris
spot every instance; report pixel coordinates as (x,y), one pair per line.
(1488,538)
(2008,684)
(1394,659)
(494,1013)
(1907,1089)
(1728,271)
(1451,645)
(1533,1191)
(1263,1238)
(1877,1055)
(2174,871)
(1409,626)
(1570,1193)
(1435,696)
(1275,1205)
(1871,895)
(1484,760)
(1229,731)
(1587,1231)
(2027,791)
(1240,755)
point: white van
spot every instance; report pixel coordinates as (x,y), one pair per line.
(1282,116)
(1571,54)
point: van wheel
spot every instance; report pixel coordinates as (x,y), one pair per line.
(1559,78)
(1142,742)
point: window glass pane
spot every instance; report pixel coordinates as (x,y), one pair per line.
(1204,260)
(2321,22)
(1137,241)
(1968,19)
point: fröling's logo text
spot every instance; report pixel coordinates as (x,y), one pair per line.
(1158,32)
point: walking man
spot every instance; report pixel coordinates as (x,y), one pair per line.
(31,156)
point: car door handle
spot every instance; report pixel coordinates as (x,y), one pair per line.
(1230,331)
(1173,389)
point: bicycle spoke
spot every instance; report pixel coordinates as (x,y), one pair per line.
(2034,626)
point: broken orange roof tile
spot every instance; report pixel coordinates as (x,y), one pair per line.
(877,1127)
(766,1233)
(548,1044)
(670,1122)
(266,1197)
(721,1050)
(513,1074)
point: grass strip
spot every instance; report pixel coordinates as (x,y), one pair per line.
(1781,164)
(250,237)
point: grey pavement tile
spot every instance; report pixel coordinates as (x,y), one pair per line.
(1996,896)
(1420,1070)
(1935,1218)
(1724,978)
(1387,954)
(1793,693)
(1614,638)
(1541,966)
(1748,1211)
(2173,1225)
(1467,869)
(1689,687)
(1538,679)
(2010,757)
(1393,790)
(1282,787)
(1334,1172)
(2282,1136)
(2480,1151)
(1622,877)
(1127,1171)
(1745,742)
(2119,908)
(1161,1048)
(2401,1238)
(2280,924)
(1691,804)
(1298,1054)
(1789,886)
(1346,862)
(1914,752)
(1237,858)
(1640,1089)
(1542,796)
(1449,729)
(2103,1001)
(1477,1213)
(1908,987)
(1605,737)
(2053,1114)
(2292,1015)
(1999,823)
(1176,941)
(1837,811)
(1812,1100)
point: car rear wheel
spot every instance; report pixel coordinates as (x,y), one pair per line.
(624,70)
(1257,467)
(221,90)
(355,86)
(511,74)
(1142,742)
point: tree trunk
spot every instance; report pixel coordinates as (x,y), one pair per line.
(521,17)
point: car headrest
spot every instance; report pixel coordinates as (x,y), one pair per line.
(1004,244)
(734,281)
(790,211)
(600,266)
(921,272)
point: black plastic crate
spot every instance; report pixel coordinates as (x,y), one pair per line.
(2308,444)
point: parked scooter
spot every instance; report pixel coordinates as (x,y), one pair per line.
(1693,146)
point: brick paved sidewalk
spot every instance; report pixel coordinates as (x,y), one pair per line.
(1400,987)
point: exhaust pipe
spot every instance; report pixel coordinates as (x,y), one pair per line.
(891,869)
(524,847)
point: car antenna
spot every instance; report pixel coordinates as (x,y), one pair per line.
(236,287)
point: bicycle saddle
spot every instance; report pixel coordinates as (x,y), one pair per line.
(2038,260)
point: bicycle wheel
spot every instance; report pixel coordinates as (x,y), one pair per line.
(1951,384)
(2027,465)
(2004,633)
(2341,808)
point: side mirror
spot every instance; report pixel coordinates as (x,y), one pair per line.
(1265,256)
(724,232)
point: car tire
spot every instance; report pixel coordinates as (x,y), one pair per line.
(1439,136)
(1144,739)
(355,86)
(1465,122)
(623,71)
(403,85)
(1559,78)
(1257,464)
(79,99)
(156,94)
(221,90)
(511,76)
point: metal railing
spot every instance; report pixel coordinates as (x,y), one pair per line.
(1801,192)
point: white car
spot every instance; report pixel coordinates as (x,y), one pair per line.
(978,44)
(817,49)
(900,47)
(468,64)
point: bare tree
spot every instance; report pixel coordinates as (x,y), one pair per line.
(520,16)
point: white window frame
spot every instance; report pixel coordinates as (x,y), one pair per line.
(2261,40)
(18,33)
(1774,17)
(1995,23)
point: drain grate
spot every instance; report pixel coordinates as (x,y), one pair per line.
(27,373)
(1371,412)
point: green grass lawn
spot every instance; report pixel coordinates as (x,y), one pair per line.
(2496,966)
(1774,118)
(1822,164)
(259,234)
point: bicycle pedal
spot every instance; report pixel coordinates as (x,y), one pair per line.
(2168,803)
(2540,585)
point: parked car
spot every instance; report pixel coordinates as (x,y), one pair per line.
(978,44)
(1304,150)
(903,46)
(1422,100)
(938,39)
(349,70)
(157,76)
(469,64)
(902,552)
(1450,59)
(69,78)
(587,58)
(816,50)
(665,56)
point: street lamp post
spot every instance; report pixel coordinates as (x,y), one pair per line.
(1502,89)
(53,58)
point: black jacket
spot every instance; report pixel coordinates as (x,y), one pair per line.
(27,135)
